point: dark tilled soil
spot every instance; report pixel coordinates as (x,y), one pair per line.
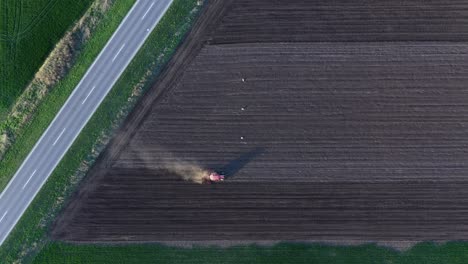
(317,112)
(156,205)
(336,141)
(343,20)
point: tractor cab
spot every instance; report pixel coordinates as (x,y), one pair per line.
(212,177)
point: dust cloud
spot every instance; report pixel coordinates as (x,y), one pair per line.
(188,171)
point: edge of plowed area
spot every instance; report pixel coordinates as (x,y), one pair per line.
(163,87)
(195,40)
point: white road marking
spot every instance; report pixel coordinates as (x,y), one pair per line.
(118,52)
(3,216)
(147,11)
(88,94)
(131,53)
(55,142)
(30,177)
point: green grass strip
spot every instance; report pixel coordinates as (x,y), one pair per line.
(426,253)
(30,233)
(29,30)
(23,144)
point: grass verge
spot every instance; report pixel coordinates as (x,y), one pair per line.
(29,29)
(29,235)
(55,68)
(282,253)
(51,104)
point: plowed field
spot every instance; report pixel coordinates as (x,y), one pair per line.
(361,20)
(321,141)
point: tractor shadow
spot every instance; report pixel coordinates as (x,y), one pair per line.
(234,166)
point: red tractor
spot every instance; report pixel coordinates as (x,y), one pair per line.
(213,177)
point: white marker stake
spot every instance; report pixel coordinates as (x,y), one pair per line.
(118,53)
(88,95)
(55,142)
(3,216)
(147,11)
(30,177)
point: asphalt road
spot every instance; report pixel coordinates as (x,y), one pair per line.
(78,109)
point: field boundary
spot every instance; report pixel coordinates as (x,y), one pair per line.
(26,238)
(51,76)
(430,253)
(28,38)
(173,71)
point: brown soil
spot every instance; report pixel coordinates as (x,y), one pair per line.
(148,205)
(337,141)
(344,21)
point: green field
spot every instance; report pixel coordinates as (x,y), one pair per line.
(29,29)
(55,253)
(30,232)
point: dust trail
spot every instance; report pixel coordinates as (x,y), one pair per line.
(187,170)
